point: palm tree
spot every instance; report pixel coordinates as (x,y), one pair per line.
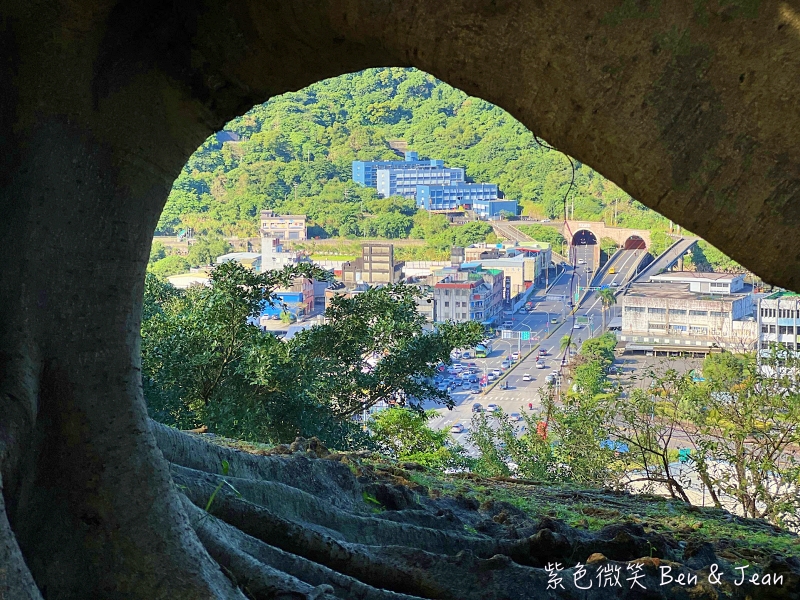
(567,344)
(608,298)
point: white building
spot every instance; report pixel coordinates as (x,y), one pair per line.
(273,257)
(779,320)
(704,283)
(670,316)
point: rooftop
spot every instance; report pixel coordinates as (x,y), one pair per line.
(783,294)
(680,291)
(689,275)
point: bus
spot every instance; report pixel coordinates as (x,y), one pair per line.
(483,350)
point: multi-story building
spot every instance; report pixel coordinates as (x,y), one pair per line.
(297,299)
(704,283)
(366,172)
(404,182)
(283,227)
(251,260)
(779,320)
(274,257)
(376,266)
(340,289)
(468,294)
(493,208)
(670,316)
(450,197)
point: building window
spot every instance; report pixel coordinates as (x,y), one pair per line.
(677,311)
(716,313)
(447,304)
(657,311)
(698,330)
(634,309)
(786,330)
(698,313)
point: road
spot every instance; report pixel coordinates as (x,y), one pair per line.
(546,307)
(520,393)
(669,258)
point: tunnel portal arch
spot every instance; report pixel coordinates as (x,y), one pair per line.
(584,237)
(634,242)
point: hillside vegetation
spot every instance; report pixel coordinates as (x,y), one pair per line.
(295,153)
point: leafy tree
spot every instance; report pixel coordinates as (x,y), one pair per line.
(169,265)
(404,434)
(373,348)
(157,252)
(608,299)
(600,349)
(566,343)
(206,249)
(543,233)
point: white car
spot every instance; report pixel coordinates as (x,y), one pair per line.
(457,428)
(515,356)
(540,365)
(497,372)
(515,416)
(576,326)
(581,262)
(526,377)
(492,408)
(491,377)
(614,284)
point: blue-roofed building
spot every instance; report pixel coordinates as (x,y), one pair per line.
(488,209)
(404,182)
(366,172)
(449,197)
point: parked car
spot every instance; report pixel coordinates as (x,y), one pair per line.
(526,377)
(492,407)
(540,365)
(515,416)
(457,428)
(477,407)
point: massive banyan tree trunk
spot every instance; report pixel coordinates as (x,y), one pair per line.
(688,106)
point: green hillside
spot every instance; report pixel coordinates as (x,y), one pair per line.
(296,150)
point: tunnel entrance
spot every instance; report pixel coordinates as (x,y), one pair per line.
(584,237)
(634,242)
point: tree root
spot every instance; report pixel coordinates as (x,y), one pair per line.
(296,505)
(298,567)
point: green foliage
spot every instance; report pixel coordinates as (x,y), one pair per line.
(206,249)
(169,265)
(543,233)
(706,258)
(373,348)
(404,434)
(296,152)
(157,252)
(204,363)
(659,242)
(600,349)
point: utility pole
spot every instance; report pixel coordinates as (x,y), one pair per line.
(294,185)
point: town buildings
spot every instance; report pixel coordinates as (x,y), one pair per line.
(251,260)
(467,293)
(273,255)
(283,227)
(376,266)
(779,321)
(676,311)
(434,186)
(404,182)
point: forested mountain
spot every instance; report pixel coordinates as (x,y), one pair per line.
(295,151)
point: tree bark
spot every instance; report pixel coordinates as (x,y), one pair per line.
(104,102)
